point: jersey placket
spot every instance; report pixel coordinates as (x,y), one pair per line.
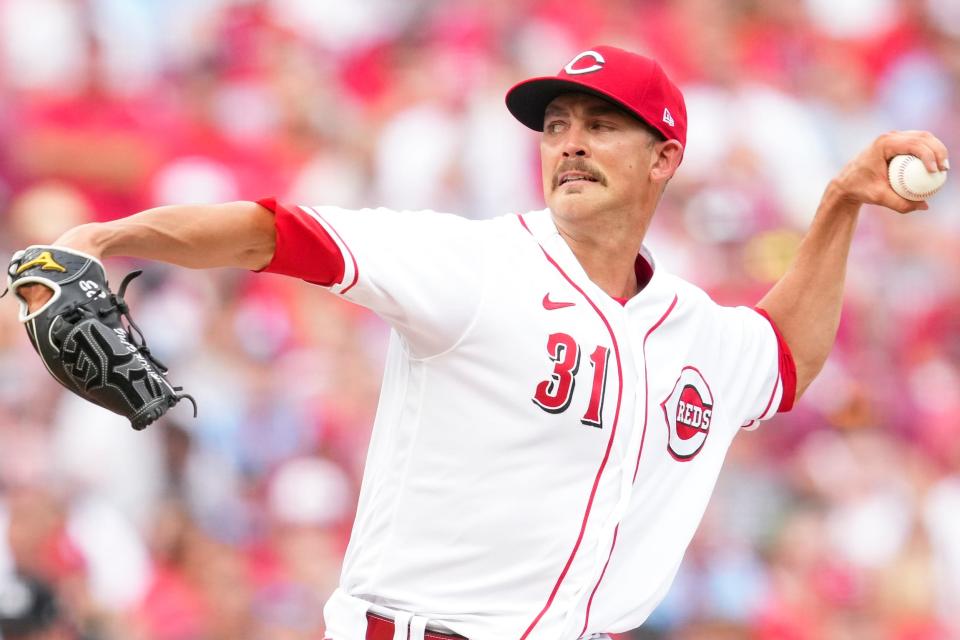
(626,445)
(650,308)
(603,518)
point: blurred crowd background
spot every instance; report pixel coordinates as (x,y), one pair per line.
(840,520)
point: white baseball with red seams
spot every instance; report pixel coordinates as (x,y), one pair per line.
(910,179)
(540,458)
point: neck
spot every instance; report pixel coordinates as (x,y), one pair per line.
(607,249)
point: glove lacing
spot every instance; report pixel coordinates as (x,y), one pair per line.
(140,342)
(136,338)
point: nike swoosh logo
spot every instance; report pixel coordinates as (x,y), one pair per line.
(550,305)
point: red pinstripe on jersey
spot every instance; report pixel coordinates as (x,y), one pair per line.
(643,437)
(606,455)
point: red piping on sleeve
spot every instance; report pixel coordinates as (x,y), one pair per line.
(788,368)
(353,260)
(304,248)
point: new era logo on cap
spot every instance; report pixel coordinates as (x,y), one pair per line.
(634,82)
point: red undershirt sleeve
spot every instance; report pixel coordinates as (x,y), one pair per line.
(788,369)
(304,249)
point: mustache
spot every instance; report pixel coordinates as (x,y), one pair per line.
(581,166)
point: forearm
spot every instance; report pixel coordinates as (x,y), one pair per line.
(805,303)
(235,234)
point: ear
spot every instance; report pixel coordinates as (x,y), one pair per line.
(667,156)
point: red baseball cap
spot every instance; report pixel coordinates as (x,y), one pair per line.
(629,80)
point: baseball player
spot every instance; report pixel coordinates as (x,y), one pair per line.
(556,405)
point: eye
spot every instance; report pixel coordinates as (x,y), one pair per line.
(553,126)
(602,126)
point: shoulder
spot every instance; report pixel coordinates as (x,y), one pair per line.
(691,293)
(688,294)
(408,223)
(511,228)
(730,324)
(697,310)
(523,221)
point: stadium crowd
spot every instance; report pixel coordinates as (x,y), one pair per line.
(840,520)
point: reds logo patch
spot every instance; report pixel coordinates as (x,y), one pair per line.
(688,411)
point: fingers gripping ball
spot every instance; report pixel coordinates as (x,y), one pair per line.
(911,180)
(86,338)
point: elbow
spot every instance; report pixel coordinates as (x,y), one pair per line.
(258,240)
(258,255)
(807,371)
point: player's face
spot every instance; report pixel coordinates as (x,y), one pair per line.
(594,156)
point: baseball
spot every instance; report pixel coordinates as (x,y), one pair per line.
(911,180)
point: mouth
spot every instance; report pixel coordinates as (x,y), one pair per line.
(575,176)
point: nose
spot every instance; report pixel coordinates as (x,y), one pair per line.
(575,144)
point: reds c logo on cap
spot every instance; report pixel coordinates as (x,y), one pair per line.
(598,63)
(688,411)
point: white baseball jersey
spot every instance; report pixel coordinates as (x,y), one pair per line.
(542,454)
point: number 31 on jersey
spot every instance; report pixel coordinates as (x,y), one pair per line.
(555,394)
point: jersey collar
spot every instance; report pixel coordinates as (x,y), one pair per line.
(544,229)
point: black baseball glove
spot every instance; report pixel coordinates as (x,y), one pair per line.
(83,340)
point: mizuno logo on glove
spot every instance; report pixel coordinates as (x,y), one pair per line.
(45,261)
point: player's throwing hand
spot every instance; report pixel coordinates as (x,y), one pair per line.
(864,180)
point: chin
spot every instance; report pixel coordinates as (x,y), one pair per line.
(573,205)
